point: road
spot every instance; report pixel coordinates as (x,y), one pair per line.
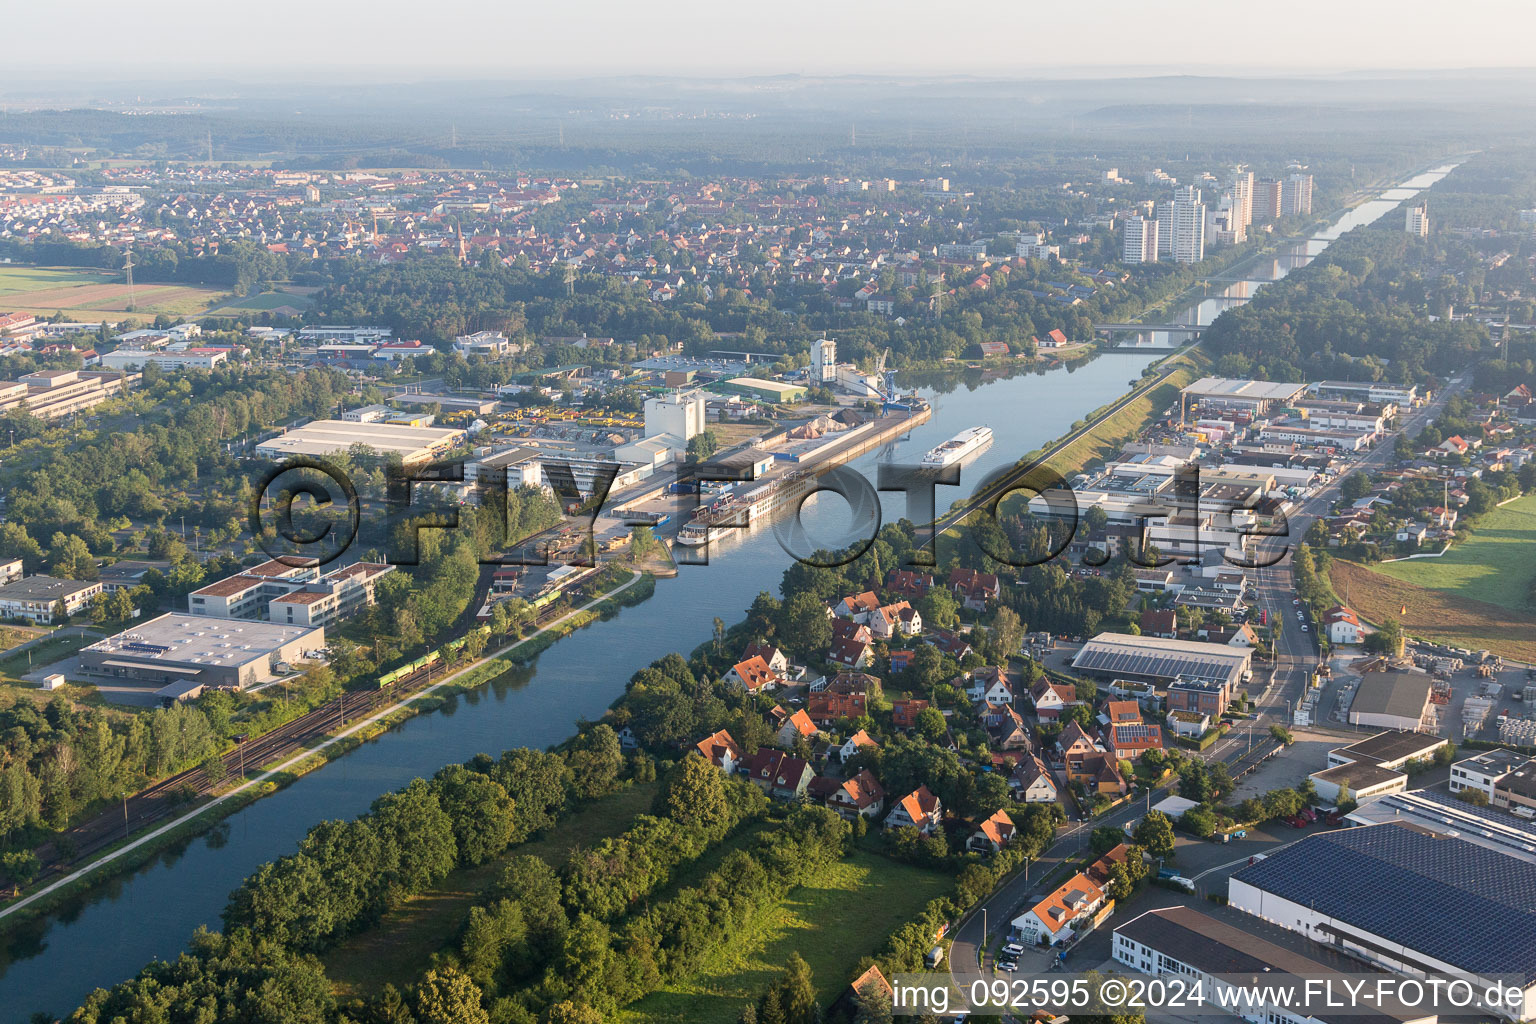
(1295,657)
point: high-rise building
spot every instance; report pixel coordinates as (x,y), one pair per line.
(1188,226)
(1165,228)
(1296,196)
(1417,220)
(824,362)
(1242,199)
(1266,201)
(1140,244)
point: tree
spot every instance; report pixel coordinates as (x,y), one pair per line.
(1355,486)
(930,725)
(702,445)
(1387,639)
(1155,834)
(797,992)
(596,760)
(1199,821)
(448,996)
(694,795)
(803,625)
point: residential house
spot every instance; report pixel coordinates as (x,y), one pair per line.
(851,653)
(1122,711)
(1207,696)
(990,685)
(1032,782)
(796,726)
(904,712)
(1076,743)
(910,585)
(919,809)
(858,607)
(775,659)
(860,740)
(950,643)
(974,589)
(753,675)
(1006,730)
(1051,699)
(899,619)
(1051,921)
(779,774)
(1343,625)
(721,751)
(1161,622)
(1099,774)
(830,706)
(1127,741)
(860,796)
(992,834)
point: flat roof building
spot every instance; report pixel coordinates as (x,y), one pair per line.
(198,650)
(1230,393)
(37,598)
(1184,942)
(1405,898)
(329,437)
(1159,660)
(767,390)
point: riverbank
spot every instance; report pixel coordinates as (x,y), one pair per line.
(133,852)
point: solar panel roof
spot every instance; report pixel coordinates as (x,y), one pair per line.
(1442,896)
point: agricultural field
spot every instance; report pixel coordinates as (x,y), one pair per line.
(1433,614)
(266,302)
(833,923)
(87,294)
(1495,564)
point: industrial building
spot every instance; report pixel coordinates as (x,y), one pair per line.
(1375,766)
(330,437)
(762,390)
(1405,898)
(190,651)
(1391,700)
(1255,396)
(1196,947)
(521,465)
(1491,827)
(1160,661)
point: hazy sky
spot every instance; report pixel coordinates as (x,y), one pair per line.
(397,40)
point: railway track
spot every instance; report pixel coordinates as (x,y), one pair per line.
(175,794)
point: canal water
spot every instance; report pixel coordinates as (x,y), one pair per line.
(1265,269)
(109,933)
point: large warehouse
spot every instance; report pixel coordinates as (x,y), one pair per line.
(328,437)
(1401,896)
(1252,395)
(1158,660)
(197,650)
(1391,700)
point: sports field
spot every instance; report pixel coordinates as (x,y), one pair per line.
(1495,564)
(87,294)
